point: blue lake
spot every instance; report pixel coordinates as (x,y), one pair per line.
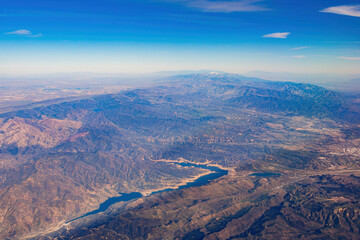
(265,174)
(217,173)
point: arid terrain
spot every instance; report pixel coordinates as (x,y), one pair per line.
(292,152)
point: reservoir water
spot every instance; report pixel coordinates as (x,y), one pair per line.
(266,174)
(216,173)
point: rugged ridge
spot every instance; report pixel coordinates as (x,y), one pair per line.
(82,152)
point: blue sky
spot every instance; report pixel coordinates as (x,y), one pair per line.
(42,36)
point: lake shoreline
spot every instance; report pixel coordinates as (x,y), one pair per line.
(214,172)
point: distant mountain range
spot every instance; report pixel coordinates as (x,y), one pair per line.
(338,82)
(291,149)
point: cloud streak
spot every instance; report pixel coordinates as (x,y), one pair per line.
(24,32)
(35,35)
(277,35)
(299,56)
(348,10)
(299,48)
(350,58)
(20,32)
(223,6)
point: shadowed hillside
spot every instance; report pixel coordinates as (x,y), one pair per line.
(65,159)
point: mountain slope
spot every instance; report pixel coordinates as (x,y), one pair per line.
(67,158)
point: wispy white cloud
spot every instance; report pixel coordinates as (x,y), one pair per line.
(20,32)
(24,32)
(223,6)
(299,48)
(299,56)
(277,35)
(36,35)
(348,10)
(350,58)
